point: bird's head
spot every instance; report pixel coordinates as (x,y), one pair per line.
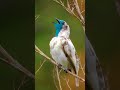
(59,25)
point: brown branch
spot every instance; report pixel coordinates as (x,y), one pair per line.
(11,61)
(53,62)
(70,9)
(54,77)
(58,78)
(79,11)
(67,82)
(81,67)
(40,66)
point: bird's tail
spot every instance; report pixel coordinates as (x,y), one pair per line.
(77,70)
(76,79)
(77,82)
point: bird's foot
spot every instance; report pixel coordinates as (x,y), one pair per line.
(69,70)
(66,70)
(59,66)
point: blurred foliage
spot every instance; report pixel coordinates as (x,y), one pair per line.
(48,10)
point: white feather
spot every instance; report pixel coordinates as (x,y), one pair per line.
(57,52)
(62,45)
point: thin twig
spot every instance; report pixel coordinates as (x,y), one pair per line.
(40,66)
(67,82)
(60,71)
(81,67)
(58,78)
(36,17)
(11,61)
(54,75)
(79,11)
(53,62)
(22,82)
(71,10)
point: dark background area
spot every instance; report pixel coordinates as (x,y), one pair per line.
(17,37)
(103,31)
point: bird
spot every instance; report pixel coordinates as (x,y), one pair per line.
(62,49)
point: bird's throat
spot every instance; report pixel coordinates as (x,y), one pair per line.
(57,32)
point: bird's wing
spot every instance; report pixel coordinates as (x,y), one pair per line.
(69,50)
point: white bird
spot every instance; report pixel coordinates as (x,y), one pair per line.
(62,49)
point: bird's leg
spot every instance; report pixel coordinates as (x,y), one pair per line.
(66,70)
(59,66)
(69,69)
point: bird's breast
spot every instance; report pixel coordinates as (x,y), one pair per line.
(56,45)
(56,50)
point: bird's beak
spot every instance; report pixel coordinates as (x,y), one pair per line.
(58,20)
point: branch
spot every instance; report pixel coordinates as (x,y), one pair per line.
(53,62)
(22,82)
(81,67)
(67,82)
(79,11)
(74,7)
(58,77)
(54,77)
(40,66)
(36,17)
(11,61)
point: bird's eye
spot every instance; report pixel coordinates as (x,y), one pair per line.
(63,23)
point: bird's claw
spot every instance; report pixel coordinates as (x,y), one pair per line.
(66,70)
(69,70)
(59,66)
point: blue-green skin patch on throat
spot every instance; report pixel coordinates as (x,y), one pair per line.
(58,26)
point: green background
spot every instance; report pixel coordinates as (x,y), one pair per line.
(48,10)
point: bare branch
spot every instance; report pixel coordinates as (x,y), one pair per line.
(71,10)
(79,11)
(58,78)
(67,82)
(40,66)
(11,61)
(22,82)
(81,67)
(36,17)
(54,76)
(53,62)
